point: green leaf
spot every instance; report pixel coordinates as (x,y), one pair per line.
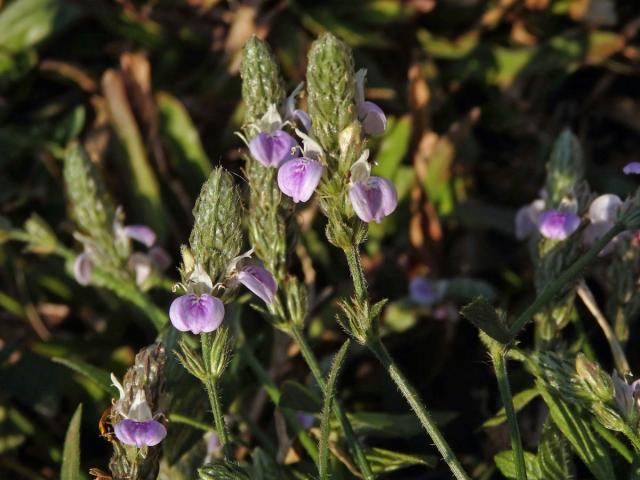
(385,461)
(589,447)
(185,148)
(554,454)
(484,316)
(393,148)
(142,183)
(26,23)
(298,397)
(70,469)
(99,376)
(393,425)
(520,400)
(505,463)
(327,409)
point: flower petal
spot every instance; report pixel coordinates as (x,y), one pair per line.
(298,178)
(558,225)
(605,208)
(526,220)
(140,434)
(82,269)
(373,199)
(424,291)
(141,265)
(140,233)
(196,314)
(272,149)
(160,257)
(302,118)
(373,119)
(632,168)
(259,280)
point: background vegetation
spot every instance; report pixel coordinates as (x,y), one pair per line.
(475,93)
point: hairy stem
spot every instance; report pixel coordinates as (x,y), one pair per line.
(500,367)
(211,386)
(568,276)
(617,351)
(353,442)
(357,275)
(218,418)
(413,399)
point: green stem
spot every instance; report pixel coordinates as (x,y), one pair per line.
(211,386)
(353,442)
(357,275)
(500,367)
(412,397)
(567,277)
(274,394)
(218,419)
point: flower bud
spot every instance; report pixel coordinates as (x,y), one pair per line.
(216,237)
(262,84)
(331,89)
(597,381)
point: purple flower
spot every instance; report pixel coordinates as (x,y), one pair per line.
(298,178)
(141,434)
(259,280)
(626,396)
(632,168)
(272,149)
(526,221)
(160,257)
(602,215)
(373,198)
(294,114)
(305,419)
(138,427)
(558,225)
(424,291)
(373,119)
(142,266)
(196,313)
(82,269)
(140,233)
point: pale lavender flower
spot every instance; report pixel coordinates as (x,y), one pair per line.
(372,198)
(140,434)
(305,419)
(140,233)
(252,274)
(160,257)
(196,313)
(298,178)
(424,291)
(294,114)
(626,396)
(212,441)
(370,115)
(557,225)
(82,269)
(603,213)
(259,280)
(632,168)
(139,427)
(526,220)
(142,267)
(272,149)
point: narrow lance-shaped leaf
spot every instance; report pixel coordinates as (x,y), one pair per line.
(325,424)
(70,469)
